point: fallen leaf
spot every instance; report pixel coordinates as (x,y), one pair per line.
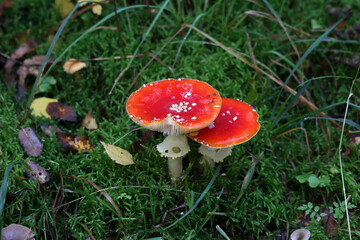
(72,65)
(22,72)
(97,9)
(21,93)
(16,232)
(38,106)
(35,60)
(25,48)
(49,130)
(117,154)
(64,7)
(9,77)
(61,111)
(304,220)
(89,122)
(73,143)
(37,172)
(330,224)
(30,142)
(33,70)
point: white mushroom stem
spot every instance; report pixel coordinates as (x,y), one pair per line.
(175,167)
(213,155)
(174,147)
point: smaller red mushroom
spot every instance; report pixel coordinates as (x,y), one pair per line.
(174,107)
(236,124)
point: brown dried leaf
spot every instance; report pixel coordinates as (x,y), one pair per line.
(72,65)
(30,142)
(37,172)
(16,232)
(89,122)
(304,220)
(35,60)
(330,224)
(73,143)
(25,48)
(49,130)
(9,77)
(34,70)
(22,72)
(61,111)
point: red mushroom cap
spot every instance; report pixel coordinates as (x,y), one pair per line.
(236,123)
(174,106)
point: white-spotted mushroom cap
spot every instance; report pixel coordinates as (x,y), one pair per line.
(174,106)
(174,146)
(236,124)
(300,234)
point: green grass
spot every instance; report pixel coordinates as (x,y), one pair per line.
(144,193)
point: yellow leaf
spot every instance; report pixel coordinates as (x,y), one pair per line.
(119,155)
(38,106)
(72,66)
(83,3)
(64,7)
(97,9)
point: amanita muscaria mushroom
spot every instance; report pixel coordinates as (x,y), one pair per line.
(174,107)
(236,124)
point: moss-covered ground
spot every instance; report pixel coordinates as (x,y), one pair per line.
(244,49)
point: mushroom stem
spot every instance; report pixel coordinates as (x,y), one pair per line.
(174,147)
(213,155)
(175,166)
(207,163)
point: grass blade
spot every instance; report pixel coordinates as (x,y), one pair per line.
(222,232)
(313,113)
(3,191)
(303,57)
(184,39)
(272,10)
(200,198)
(149,30)
(339,152)
(349,122)
(248,176)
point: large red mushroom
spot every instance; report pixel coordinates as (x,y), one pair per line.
(236,124)
(174,107)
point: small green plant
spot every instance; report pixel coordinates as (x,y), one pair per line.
(313,211)
(46,83)
(339,209)
(313,180)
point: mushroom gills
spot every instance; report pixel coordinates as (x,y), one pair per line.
(215,154)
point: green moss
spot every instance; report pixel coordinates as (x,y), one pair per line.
(143,191)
